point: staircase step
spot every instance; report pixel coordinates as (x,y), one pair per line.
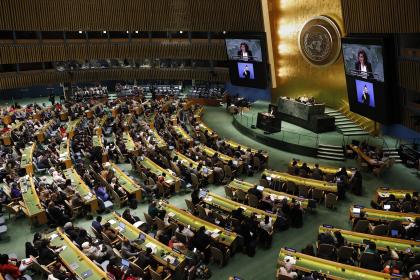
(331,150)
(330,146)
(350,125)
(331,157)
(358,133)
(334,114)
(351,129)
(344,122)
(330,153)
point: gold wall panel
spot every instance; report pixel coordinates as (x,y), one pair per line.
(30,78)
(27,53)
(111,15)
(409,74)
(295,76)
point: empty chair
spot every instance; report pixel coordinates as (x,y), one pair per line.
(157,276)
(381,230)
(303,191)
(264,183)
(371,261)
(217,256)
(257,163)
(190,205)
(228,173)
(194,181)
(202,213)
(253,200)
(327,251)
(317,194)
(331,200)
(362,226)
(291,187)
(240,195)
(345,254)
(149,219)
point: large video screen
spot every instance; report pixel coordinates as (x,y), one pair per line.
(364,61)
(365,93)
(244,49)
(367,66)
(246,71)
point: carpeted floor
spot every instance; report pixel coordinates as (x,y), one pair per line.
(263,265)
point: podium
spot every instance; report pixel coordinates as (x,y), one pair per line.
(268,122)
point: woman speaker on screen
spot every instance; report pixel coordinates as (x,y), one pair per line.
(244,53)
(363,66)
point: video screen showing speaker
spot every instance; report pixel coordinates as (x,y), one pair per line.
(364,61)
(244,49)
(247,60)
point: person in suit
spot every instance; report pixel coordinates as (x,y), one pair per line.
(363,66)
(244,53)
(365,96)
(246,72)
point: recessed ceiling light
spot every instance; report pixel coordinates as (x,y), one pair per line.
(224,31)
(180,32)
(104,32)
(80,31)
(137,32)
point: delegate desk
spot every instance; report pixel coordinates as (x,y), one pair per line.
(226,205)
(210,153)
(128,120)
(243,148)
(26,159)
(383,193)
(327,170)
(373,163)
(71,128)
(101,124)
(158,170)
(218,234)
(64,151)
(97,142)
(268,193)
(182,134)
(126,182)
(333,270)
(40,133)
(203,128)
(382,242)
(74,259)
(88,197)
(31,203)
(160,252)
(157,139)
(129,143)
(375,216)
(7,137)
(186,161)
(311,183)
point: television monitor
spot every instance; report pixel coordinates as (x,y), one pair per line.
(364,61)
(369,76)
(246,71)
(365,93)
(244,49)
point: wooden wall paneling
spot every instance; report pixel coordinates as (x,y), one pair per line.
(157,15)
(381,16)
(409,74)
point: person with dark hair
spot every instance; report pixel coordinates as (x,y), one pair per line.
(96,224)
(309,250)
(363,66)
(244,53)
(7,267)
(246,74)
(356,183)
(46,254)
(145,259)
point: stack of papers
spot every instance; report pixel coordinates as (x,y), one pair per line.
(152,246)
